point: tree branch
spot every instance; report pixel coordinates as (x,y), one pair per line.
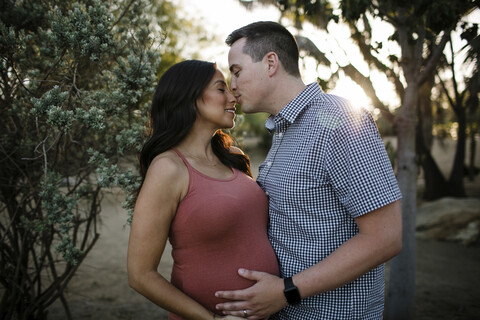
(123,13)
(434,57)
(449,98)
(418,48)
(366,50)
(311,49)
(367,86)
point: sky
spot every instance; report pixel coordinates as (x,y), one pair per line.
(223,16)
(220,17)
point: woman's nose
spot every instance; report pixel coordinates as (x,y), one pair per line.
(231,97)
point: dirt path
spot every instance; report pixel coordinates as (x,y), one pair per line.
(447,274)
(447,279)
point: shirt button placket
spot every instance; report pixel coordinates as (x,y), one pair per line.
(271,155)
(277,138)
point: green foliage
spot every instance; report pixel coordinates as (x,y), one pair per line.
(76,79)
(253,125)
(318,12)
(354,9)
(178,32)
(434,16)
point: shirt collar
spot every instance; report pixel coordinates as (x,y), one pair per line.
(291,111)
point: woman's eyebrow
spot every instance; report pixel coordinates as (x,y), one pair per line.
(221,82)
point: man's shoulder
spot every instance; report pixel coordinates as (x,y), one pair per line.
(336,108)
(332,103)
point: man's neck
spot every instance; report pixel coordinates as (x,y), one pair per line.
(285,92)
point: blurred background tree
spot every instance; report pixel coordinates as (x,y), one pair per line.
(76,79)
(421,30)
(178,32)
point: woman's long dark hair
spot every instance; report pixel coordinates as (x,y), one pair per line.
(173,113)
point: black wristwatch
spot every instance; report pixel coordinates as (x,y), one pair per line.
(291,292)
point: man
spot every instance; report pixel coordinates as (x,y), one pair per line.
(335,214)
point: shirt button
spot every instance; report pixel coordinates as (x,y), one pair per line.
(269,163)
(280,135)
(266,192)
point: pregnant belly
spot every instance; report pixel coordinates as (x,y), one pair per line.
(201,278)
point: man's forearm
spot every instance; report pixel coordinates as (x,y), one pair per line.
(378,240)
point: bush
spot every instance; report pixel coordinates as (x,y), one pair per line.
(76,80)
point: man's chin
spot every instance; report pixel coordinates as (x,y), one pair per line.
(246,109)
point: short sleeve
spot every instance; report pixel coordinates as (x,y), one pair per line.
(358,165)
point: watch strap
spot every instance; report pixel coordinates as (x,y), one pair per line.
(291,292)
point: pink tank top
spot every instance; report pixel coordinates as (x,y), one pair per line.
(220,226)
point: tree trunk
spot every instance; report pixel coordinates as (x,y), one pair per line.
(472,106)
(425,112)
(473,149)
(436,185)
(455,183)
(401,291)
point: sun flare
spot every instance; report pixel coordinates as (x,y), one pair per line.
(348,89)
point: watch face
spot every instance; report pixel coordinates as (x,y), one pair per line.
(292,295)
(291,290)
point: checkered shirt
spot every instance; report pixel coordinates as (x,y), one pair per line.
(326,167)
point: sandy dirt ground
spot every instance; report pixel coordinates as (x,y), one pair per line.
(447,277)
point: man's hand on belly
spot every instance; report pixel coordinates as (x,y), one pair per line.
(260,301)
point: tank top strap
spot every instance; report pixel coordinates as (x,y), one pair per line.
(195,173)
(183,159)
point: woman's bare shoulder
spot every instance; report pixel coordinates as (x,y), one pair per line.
(167,166)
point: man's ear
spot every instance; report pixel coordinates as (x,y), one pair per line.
(272,63)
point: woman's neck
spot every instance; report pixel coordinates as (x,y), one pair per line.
(198,145)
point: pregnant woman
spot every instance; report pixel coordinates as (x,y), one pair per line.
(197,192)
